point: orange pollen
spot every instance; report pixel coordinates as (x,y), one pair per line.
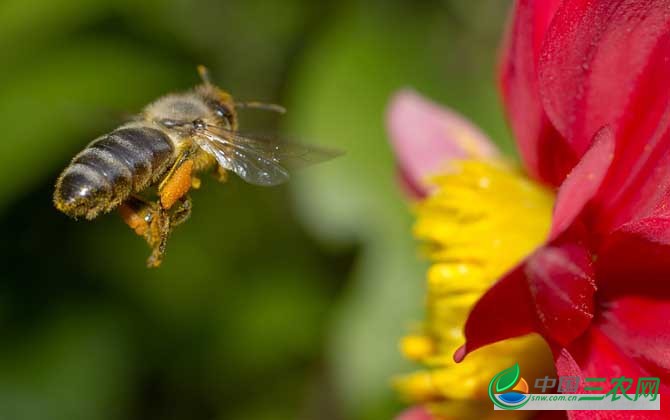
(178,185)
(133,219)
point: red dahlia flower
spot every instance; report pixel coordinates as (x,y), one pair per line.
(587,88)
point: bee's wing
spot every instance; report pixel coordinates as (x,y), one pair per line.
(256,159)
(253,166)
(290,154)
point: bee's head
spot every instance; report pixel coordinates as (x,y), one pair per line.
(221,106)
(181,114)
(220,103)
(206,105)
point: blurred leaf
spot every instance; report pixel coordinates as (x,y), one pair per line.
(245,43)
(275,318)
(77,368)
(36,21)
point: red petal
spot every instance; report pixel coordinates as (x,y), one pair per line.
(504,311)
(550,293)
(601,359)
(545,153)
(594,54)
(562,285)
(638,184)
(638,327)
(624,341)
(582,183)
(636,259)
(550,415)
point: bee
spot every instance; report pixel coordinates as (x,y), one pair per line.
(146,167)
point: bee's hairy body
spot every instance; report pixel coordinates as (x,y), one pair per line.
(139,154)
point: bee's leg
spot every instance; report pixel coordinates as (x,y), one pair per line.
(173,207)
(161,227)
(181,158)
(179,179)
(181,211)
(149,221)
(176,184)
(162,223)
(139,214)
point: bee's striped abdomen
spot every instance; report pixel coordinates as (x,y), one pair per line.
(112,167)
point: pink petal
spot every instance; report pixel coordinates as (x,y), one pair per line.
(415,413)
(425,137)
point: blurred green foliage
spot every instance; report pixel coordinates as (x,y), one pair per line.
(273,303)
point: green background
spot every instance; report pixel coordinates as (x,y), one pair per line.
(283,303)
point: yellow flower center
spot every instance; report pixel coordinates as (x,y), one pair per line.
(483,219)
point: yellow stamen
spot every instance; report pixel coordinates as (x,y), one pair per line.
(483,219)
(417,347)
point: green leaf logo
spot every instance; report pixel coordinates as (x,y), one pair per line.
(507,378)
(504,381)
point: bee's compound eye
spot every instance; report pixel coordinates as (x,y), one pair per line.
(222,111)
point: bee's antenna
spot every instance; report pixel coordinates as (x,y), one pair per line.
(204,74)
(260,105)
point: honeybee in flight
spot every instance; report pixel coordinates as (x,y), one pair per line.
(158,154)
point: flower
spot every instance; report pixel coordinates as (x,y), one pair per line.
(415,413)
(425,136)
(596,84)
(586,88)
(468,219)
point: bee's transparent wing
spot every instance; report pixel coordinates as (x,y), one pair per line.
(290,154)
(259,160)
(251,165)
